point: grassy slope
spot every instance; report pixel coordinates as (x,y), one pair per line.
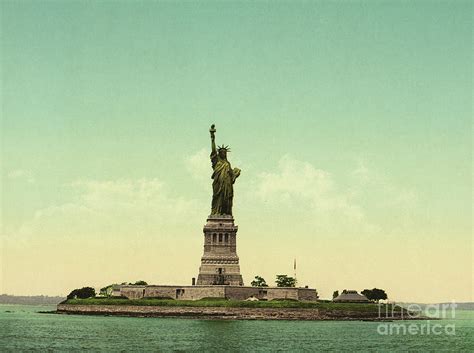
(230,303)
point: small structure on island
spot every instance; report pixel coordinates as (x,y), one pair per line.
(350,296)
(219,274)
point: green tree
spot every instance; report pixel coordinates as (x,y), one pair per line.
(83,293)
(285,281)
(379,294)
(375,294)
(139,283)
(335,294)
(107,291)
(367,293)
(259,282)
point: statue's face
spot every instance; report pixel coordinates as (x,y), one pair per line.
(223,154)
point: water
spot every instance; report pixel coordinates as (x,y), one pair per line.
(23,328)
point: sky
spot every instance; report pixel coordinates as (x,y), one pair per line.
(351,122)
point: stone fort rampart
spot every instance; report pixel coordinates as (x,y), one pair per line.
(215,291)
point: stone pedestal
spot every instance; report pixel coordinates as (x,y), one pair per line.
(220,263)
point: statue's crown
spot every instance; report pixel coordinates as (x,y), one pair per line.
(223,148)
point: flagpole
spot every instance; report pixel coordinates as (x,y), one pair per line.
(294,267)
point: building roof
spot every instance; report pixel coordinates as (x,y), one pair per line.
(351,296)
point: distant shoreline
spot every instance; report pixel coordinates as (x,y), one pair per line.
(30,299)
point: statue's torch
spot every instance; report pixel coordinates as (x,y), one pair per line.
(212,130)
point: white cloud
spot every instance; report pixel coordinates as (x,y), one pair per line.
(199,166)
(21,174)
(313,191)
(367,203)
(113,208)
(295,178)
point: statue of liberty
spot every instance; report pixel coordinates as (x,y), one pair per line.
(223,178)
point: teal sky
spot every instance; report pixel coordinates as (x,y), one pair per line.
(351,122)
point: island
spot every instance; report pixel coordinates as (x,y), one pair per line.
(215,308)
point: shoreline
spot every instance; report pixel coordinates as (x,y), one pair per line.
(227,313)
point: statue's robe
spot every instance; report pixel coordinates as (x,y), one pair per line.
(222,185)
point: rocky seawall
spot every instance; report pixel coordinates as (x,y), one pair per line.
(221,313)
